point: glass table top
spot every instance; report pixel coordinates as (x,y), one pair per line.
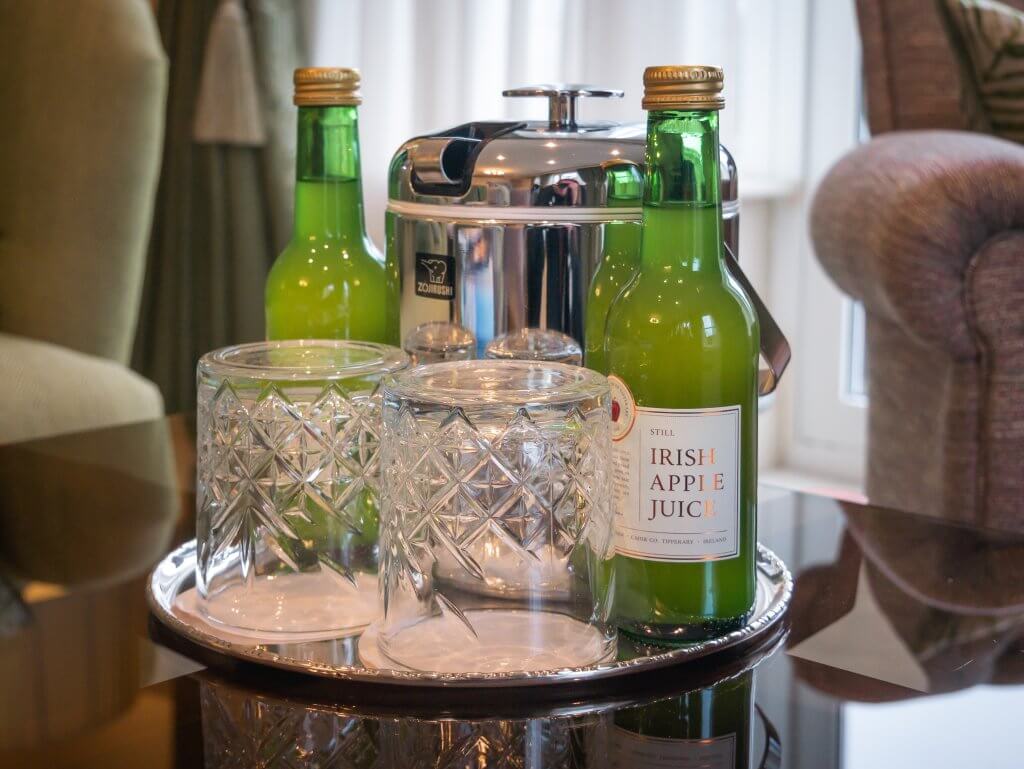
(904,647)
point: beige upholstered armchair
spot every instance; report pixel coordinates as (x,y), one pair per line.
(83,86)
(924,224)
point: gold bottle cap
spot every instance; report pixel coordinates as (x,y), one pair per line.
(683,86)
(326,86)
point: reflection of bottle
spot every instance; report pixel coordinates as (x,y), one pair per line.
(329,282)
(710,729)
(682,349)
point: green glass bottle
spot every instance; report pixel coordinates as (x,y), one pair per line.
(681,349)
(330,281)
(620,255)
(710,727)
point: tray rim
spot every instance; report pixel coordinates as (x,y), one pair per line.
(176,562)
(446,709)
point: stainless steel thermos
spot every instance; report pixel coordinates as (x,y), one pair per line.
(500,226)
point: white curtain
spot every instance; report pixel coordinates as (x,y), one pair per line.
(432,64)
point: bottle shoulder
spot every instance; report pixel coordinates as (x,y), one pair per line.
(616,268)
(681,308)
(688,292)
(309,254)
(328,276)
(742,298)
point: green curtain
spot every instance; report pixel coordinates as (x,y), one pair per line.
(223,210)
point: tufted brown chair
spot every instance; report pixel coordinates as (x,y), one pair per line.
(924,224)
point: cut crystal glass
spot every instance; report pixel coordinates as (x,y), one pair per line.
(288,483)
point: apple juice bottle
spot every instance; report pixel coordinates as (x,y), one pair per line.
(681,351)
(330,281)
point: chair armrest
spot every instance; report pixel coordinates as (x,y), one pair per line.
(898,222)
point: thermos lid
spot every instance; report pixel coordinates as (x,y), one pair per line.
(562,168)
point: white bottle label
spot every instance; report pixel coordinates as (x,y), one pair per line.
(676,480)
(636,750)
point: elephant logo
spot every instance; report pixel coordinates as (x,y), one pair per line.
(435,276)
(437,270)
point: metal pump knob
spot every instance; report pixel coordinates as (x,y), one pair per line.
(562,100)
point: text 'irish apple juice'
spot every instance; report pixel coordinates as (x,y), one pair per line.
(329,282)
(681,350)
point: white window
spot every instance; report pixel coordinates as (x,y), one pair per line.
(821,423)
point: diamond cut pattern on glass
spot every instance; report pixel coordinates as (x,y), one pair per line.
(241,729)
(286,476)
(470,494)
(551,743)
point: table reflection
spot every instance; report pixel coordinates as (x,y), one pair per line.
(717,727)
(915,612)
(83,518)
(915,606)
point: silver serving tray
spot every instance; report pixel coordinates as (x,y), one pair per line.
(339,658)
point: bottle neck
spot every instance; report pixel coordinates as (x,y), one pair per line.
(328,186)
(682,203)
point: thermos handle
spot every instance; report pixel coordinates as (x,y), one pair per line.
(774,345)
(562,100)
(772,756)
(441,159)
(442,163)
